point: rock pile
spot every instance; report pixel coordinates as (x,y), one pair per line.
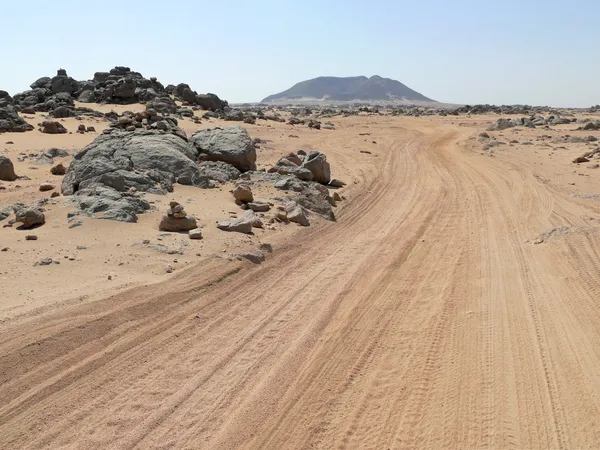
(10,121)
(176,219)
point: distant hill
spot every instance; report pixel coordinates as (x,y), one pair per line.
(348,89)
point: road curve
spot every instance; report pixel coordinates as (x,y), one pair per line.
(420,319)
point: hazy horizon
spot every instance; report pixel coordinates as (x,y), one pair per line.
(463,53)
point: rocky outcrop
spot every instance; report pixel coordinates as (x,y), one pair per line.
(120,85)
(10,121)
(145,160)
(7,170)
(232,145)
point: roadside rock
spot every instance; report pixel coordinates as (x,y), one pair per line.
(232,145)
(296,214)
(317,163)
(240,225)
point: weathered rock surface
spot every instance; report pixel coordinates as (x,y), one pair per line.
(232,145)
(103,202)
(145,160)
(218,171)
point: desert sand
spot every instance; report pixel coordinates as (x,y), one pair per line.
(439,311)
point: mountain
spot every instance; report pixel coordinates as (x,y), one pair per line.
(348,89)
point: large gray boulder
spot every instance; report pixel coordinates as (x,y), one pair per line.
(232,145)
(7,170)
(145,160)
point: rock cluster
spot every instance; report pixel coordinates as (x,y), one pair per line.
(176,219)
(10,121)
(120,85)
(311,166)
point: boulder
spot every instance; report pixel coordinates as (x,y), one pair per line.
(295,213)
(242,224)
(232,145)
(145,160)
(243,193)
(7,170)
(29,217)
(317,163)
(51,127)
(210,102)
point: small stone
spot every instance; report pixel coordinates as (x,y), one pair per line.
(336,197)
(196,233)
(168,268)
(45,262)
(46,187)
(55,194)
(243,193)
(31,237)
(58,169)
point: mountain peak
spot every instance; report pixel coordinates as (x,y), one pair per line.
(348,89)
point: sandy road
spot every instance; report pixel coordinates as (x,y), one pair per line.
(419,320)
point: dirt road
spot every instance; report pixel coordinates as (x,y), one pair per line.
(421,319)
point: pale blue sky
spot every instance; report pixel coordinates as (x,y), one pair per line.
(543,52)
